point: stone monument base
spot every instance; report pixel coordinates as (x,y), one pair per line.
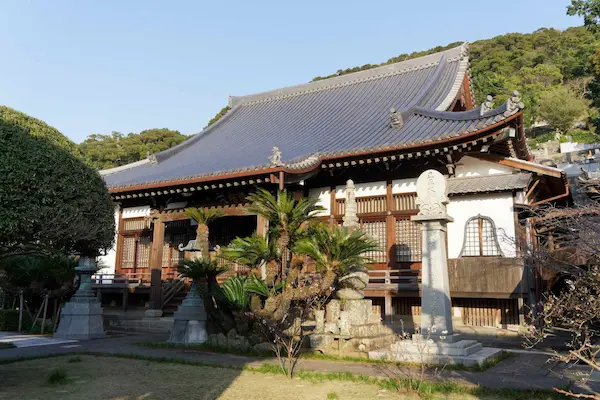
(350,327)
(189,322)
(455,351)
(80,321)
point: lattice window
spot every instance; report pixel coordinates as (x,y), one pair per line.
(480,238)
(408,241)
(376,230)
(142,259)
(135,224)
(128,259)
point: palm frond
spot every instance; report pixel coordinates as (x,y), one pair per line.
(234,289)
(203,216)
(251,251)
(256,285)
(337,249)
(199,268)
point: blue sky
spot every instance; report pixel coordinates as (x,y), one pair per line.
(100,66)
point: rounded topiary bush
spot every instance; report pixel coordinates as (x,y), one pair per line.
(50,201)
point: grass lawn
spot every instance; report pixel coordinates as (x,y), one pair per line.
(104,377)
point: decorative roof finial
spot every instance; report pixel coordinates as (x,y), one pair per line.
(514,102)
(275,158)
(152,158)
(487,105)
(395,118)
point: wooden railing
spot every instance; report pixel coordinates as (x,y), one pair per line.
(404,201)
(173,286)
(378,204)
(393,279)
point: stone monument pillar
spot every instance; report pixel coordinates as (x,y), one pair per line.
(350,218)
(81,317)
(436,312)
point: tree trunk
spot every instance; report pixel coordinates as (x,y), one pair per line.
(202,240)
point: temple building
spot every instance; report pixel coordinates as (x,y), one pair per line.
(380,128)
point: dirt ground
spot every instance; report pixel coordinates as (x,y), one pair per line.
(127,379)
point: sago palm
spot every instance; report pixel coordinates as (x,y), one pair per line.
(203,216)
(199,269)
(286,216)
(337,249)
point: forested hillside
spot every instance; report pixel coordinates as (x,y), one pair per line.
(107,151)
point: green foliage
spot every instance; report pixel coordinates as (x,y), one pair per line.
(9,320)
(199,268)
(582,137)
(57,377)
(337,249)
(560,107)
(588,9)
(256,285)
(203,216)
(37,128)
(251,251)
(108,151)
(51,201)
(234,289)
(44,271)
(285,214)
(217,117)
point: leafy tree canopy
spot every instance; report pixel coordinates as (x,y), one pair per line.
(37,128)
(560,107)
(50,201)
(108,151)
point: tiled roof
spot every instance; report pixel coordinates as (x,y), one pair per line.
(339,115)
(490,183)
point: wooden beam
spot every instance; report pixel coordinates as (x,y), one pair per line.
(520,164)
(119,245)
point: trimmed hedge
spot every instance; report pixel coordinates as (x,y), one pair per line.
(51,200)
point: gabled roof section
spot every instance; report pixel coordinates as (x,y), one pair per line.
(334,116)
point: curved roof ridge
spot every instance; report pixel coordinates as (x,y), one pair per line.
(414,64)
(458,81)
(472,114)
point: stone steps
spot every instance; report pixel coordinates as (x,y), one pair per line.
(460,348)
(147,325)
(477,358)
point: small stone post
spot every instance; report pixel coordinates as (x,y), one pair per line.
(432,197)
(81,317)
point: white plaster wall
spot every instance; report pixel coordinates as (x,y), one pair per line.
(497,206)
(323,195)
(108,261)
(408,185)
(136,212)
(363,189)
(470,166)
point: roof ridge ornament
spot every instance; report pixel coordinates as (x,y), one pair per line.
(487,105)
(396,120)
(152,158)
(275,158)
(514,102)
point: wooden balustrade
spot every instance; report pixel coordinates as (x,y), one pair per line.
(378,204)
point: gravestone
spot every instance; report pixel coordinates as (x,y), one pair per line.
(81,317)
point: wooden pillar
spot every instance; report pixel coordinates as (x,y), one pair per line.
(332,206)
(390,227)
(281,180)
(156,252)
(388,308)
(119,244)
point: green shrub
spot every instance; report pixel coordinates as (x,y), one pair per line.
(9,320)
(51,201)
(584,137)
